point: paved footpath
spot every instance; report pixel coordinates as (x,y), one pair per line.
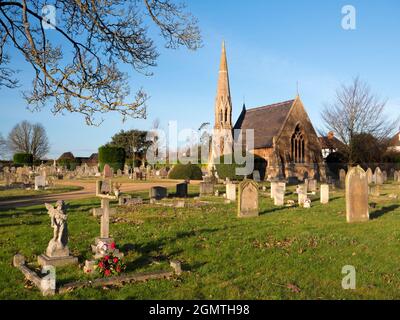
(88,191)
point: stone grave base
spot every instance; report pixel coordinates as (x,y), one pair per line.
(45,260)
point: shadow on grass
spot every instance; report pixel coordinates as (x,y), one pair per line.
(377,214)
(268,211)
(151,251)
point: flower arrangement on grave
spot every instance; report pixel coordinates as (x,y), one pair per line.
(110,265)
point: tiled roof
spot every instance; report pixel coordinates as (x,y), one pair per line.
(266,121)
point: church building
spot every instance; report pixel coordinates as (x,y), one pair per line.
(286,145)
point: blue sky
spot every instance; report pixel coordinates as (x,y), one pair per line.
(270,44)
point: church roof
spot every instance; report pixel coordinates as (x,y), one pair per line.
(266,121)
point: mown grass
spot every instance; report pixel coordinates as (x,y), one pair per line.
(23,193)
(285,253)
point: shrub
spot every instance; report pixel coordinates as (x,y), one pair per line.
(113,156)
(23,159)
(229,170)
(186,171)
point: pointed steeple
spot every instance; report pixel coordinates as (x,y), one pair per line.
(223,103)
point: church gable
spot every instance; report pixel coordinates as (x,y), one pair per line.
(297,142)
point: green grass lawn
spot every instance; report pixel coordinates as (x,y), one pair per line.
(20,193)
(285,253)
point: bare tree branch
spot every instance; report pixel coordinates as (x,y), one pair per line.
(103,36)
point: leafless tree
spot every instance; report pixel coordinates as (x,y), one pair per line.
(357,111)
(103,36)
(3,146)
(29,138)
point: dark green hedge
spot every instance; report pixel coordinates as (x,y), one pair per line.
(186,171)
(229,170)
(23,159)
(113,156)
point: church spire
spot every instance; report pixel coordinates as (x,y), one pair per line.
(223,104)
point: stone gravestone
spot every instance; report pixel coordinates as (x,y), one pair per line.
(40,182)
(182,190)
(395,176)
(324,196)
(375,190)
(385,176)
(256,176)
(342,178)
(378,176)
(206,189)
(248,199)
(158,193)
(57,252)
(231,191)
(279,195)
(356,195)
(302,195)
(107,172)
(369,175)
(273,188)
(305,185)
(119,173)
(312,185)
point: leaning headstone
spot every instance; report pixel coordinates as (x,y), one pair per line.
(342,178)
(369,175)
(206,189)
(324,196)
(158,193)
(57,252)
(231,191)
(182,190)
(279,195)
(378,176)
(356,195)
(248,199)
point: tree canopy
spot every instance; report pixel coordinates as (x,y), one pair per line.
(103,36)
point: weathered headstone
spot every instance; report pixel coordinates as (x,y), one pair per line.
(302,195)
(384,176)
(158,193)
(375,190)
(40,182)
(342,178)
(378,176)
(369,175)
(182,190)
(356,195)
(57,252)
(324,196)
(248,199)
(231,191)
(279,195)
(206,189)
(107,172)
(312,185)
(273,188)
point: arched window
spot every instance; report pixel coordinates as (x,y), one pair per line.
(221,120)
(226,115)
(298,146)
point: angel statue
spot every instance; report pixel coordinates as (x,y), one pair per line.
(58,246)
